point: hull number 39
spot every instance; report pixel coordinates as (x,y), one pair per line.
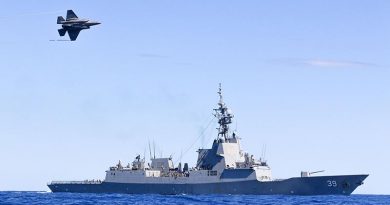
(331,183)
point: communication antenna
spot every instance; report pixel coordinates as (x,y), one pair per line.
(181,154)
(263,151)
(154,150)
(150,151)
(202,140)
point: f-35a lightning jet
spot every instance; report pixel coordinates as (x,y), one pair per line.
(73,25)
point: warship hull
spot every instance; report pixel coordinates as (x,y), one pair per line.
(321,185)
(223,169)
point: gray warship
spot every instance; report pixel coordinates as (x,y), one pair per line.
(222,169)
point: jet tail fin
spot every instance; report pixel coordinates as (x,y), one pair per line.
(71,15)
(62,32)
(60,19)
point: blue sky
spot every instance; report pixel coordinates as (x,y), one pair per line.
(308,79)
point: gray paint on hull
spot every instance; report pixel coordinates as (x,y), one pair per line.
(346,184)
(236,173)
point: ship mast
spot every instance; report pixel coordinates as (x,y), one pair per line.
(224,116)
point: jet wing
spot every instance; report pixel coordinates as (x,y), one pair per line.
(73,34)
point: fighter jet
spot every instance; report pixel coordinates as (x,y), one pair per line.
(73,25)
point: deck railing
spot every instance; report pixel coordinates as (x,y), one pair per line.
(77,182)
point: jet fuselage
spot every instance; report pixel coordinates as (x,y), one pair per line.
(73,25)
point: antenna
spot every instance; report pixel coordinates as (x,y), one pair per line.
(202,140)
(154,150)
(150,151)
(220,94)
(263,151)
(224,116)
(181,154)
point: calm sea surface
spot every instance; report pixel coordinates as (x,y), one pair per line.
(69,198)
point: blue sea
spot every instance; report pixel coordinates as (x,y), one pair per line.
(43,198)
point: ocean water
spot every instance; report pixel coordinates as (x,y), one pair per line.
(43,198)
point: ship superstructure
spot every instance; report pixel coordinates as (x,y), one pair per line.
(222,169)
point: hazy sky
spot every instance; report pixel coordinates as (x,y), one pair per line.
(308,79)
